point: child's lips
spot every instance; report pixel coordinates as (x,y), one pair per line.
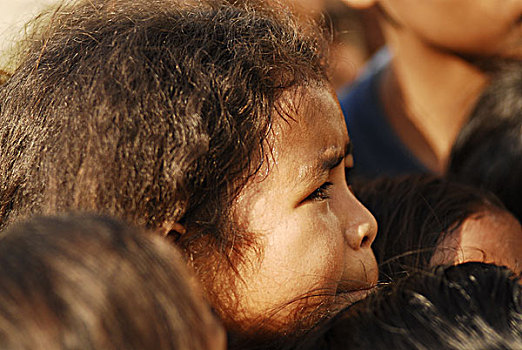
(353,293)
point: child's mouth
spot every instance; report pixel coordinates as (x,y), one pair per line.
(351,294)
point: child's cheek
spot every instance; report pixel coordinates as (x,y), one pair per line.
(327,242)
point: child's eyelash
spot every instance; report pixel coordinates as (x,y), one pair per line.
(321,193)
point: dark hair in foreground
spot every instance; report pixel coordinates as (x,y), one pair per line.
(153,111)
(89,282)
(467,306)
(488,150)
(415,212)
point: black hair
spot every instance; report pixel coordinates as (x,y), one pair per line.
(488,149)
(91,282)
(467,306)
(153,111)
(415,212)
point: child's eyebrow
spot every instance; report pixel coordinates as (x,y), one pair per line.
(327,160)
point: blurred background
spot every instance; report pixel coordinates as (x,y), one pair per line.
(14,14)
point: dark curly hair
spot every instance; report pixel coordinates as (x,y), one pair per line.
(415,213)
(467,306)
(153,111)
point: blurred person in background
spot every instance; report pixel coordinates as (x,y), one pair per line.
(405,115)
(488,150)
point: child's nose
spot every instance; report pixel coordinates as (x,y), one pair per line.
(361,232)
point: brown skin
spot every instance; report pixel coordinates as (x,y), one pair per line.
(430,88)
(315,239)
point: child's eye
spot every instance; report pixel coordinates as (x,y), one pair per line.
(321,193)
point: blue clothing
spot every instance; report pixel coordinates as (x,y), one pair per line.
(377,149)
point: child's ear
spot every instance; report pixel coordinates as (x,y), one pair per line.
(360,4)
(172,230)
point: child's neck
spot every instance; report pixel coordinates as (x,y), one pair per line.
(428,95)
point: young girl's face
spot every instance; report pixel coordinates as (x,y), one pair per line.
(314,236)
(475,27)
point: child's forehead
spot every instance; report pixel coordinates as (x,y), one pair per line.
(308,126)
(311,124)
(300,97)
(304,105)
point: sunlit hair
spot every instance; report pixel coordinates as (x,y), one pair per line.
(488,149)
(415,212)
(153,111)
(467,306)
(90,282)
